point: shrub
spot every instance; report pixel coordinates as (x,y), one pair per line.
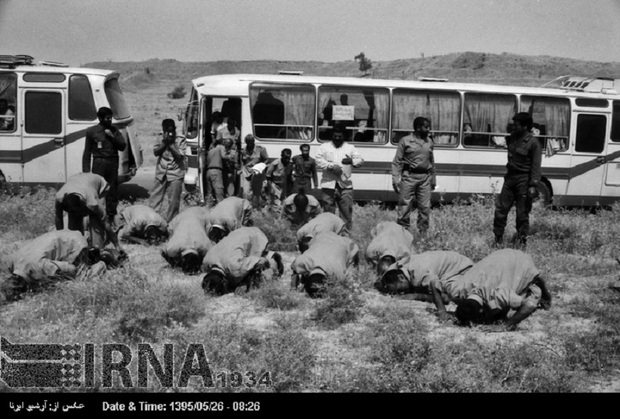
(178,93)
(341,304)
(277,295)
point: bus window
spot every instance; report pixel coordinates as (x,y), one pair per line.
(43,113)
(363,111)
(115,98)
(8,105)
(489,116)
(191,116)
(615,122)
(81,101)
(281,111)
(551,121)
(590,133)
(442,108)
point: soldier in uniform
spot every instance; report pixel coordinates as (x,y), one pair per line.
(103,142)
(188,243)
(304,170)
(279,175)
(328,256)
(506,280)
(413,174)
(142,225)
(239,259)
(230,214)
(390,243)
(521,180)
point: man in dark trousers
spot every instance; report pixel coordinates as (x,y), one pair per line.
(304,170)
(103,142)
(521,180)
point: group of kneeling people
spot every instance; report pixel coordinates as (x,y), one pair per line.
(223,243)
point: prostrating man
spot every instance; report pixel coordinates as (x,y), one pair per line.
(170,170)
(413,174)
(219,159)
(49,258)
(279,175)
(84,194)
(142,225)
(328,256)
(230,214)
(521,181)
(507,280)
(239,259)
(300,208)
(390,243)
(325,221)
(337,159)
(103,142)
(304,170)
(251,180)
(189,242)
(436,276)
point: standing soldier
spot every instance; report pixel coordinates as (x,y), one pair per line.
(252,182)
(279,175)
(337,160)
(169,170)
(219,159)
(304,170)
(103,142)
(413,174)
(521,180)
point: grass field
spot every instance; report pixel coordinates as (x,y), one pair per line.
(354,340)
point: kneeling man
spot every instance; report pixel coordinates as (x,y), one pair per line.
(229,214)
(142,225)
(390,243)
(188,243)
(325,221)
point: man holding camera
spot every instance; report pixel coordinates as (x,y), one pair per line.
(169,170)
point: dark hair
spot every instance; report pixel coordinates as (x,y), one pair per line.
(104,111)
(314,285)
(168,123)
(215,282)
(301,199)
(524,118)
(216,233)
(301,147)
(190,263)
(286,151)
(384,263)
(419,121)
(338,128)
(72,203)
(154,235)
(468,311)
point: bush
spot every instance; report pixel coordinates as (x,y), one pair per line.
(341,304)
(178,93)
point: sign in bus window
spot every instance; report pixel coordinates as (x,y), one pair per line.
(489,116)
(281,111)
(551,118)
(363,112)
(442,108)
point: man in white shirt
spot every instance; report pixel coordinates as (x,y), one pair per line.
(336,159)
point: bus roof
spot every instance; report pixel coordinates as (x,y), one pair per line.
(237,85)
(57,69)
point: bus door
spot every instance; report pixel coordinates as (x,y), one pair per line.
(43,135)
(611,186)
(587,168)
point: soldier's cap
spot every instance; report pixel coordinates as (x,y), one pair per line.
(189,252)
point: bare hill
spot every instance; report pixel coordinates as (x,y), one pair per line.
(467,66)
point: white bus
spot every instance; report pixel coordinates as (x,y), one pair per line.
(45,109)
(576,119)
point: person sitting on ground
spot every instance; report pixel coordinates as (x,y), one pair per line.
(390,243)
(507,279)
(434,276)
(300,208)
(325,221)
(142,225)
(54,256)
(239,259)
(228,215)
(188,242)
(328,256)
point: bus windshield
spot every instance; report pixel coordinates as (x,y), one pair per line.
(116,99)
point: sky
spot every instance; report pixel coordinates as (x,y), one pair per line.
(77,32)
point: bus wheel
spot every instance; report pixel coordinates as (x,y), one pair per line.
(544,196)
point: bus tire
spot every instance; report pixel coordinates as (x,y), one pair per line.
(544,195)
